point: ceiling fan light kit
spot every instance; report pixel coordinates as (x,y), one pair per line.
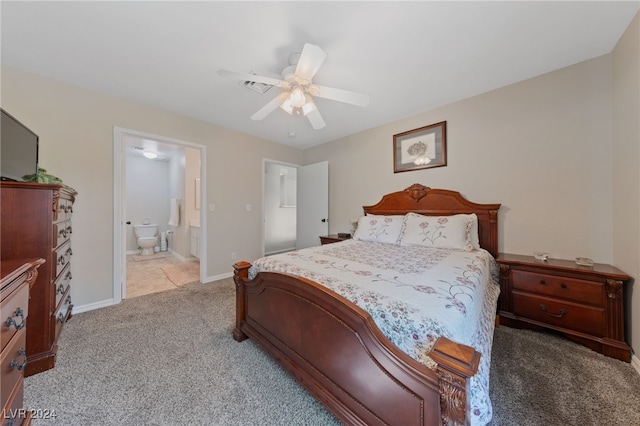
(298,86)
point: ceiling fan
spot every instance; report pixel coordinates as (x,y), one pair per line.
(299,87)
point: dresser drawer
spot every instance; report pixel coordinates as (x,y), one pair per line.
(15,309)
(13,361)
(62,256)
(61,232)
(14,414)
(580,291)
(61,284)
(63,312)
(560,313)
(64,210)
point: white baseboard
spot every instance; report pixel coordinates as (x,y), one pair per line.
(217,277)
(92,306)
(635,363)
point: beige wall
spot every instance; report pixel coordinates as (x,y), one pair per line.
(76,143)
(541,147)
(626,172)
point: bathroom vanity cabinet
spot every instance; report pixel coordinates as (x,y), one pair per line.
(35,222)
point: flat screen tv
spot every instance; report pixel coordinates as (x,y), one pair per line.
(18,149)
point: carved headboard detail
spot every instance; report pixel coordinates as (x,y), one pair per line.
(421,199)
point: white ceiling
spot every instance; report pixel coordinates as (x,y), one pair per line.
(408,57)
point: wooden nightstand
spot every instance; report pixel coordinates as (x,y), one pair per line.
(586,304)
(333,238)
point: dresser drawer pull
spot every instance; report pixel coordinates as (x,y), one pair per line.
(60,289)
(563,285)
(13,364)
(11,322)
(63,233)
(543,282)
(560,315)
(61,260)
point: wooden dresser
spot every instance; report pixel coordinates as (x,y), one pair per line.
(585,303)
(35,222)
(16,277)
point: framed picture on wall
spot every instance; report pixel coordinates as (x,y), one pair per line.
(421,148)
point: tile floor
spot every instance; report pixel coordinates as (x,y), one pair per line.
(146,276)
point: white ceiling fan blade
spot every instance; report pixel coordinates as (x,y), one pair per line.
(311,59)
(245,76)
(270,107)
(316,120)
(340,95)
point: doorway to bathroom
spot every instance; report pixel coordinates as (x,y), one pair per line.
(158,182)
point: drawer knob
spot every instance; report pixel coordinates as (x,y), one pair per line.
(11,322)
(563,285)
(543,282)
(562,313)
(13,364)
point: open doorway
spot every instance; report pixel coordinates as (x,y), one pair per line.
(158,186)
(280,206)
(295,205)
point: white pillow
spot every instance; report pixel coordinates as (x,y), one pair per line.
(437,231)
(382,229)
(475,237)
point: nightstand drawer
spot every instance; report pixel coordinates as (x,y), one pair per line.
(581,291)
(568,315)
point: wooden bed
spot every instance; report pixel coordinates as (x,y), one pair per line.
(335,350)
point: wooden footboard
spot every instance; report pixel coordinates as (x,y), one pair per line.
(335,350)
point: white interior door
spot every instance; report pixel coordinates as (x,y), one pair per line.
(312,204)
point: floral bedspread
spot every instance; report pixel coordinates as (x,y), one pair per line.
(414,294)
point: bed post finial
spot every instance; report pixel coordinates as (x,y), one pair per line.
(456,364)
(417,191)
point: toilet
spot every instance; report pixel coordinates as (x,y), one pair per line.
(147,235)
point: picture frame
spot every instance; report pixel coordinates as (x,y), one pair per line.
(422,148)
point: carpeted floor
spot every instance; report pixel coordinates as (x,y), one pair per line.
(168,358)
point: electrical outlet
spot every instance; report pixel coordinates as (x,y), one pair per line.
(233,255)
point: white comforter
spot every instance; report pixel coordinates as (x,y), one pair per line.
(414,294)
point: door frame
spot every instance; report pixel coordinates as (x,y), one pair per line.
(119,204)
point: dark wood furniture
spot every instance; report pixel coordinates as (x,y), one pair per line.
(16,277)
(35,222)
(334,349)
(584,303)
(331,238)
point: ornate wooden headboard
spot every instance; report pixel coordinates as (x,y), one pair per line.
(441,202)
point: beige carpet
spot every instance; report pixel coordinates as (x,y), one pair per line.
(139,258)
(182,273)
